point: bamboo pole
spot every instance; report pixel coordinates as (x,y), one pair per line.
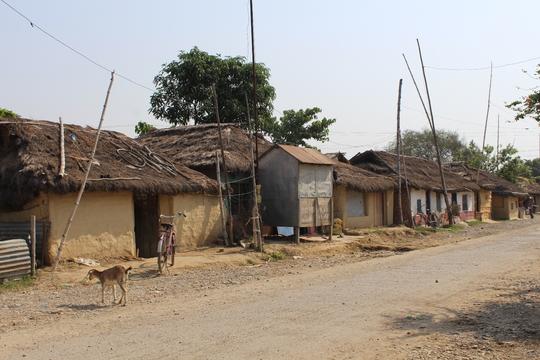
(398,143)
(83,184)
(485,125)
(229,243)
(221,206)
(62,150)
(435,141)
(256,221)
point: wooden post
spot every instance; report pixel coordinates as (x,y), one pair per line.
(296,235)
(331,208)
(33,245)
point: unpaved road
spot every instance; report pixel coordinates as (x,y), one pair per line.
(474,299)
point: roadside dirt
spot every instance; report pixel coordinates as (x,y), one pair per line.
(498,324)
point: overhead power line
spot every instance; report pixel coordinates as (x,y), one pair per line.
(34,25)
(482,68)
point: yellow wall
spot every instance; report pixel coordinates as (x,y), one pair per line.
(485,204)
(202,224)
(103,225)
(504,207)
(373,213)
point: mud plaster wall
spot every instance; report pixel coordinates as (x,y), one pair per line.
(103,225)
(38,207)
(371,209)
(202,224)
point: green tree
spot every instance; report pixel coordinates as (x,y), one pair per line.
(5,113)
(511,165)
(528,106)
(143,128)
(184,89)
(420,144)
(534,165)
(507,165)
(294,127)
(473,157)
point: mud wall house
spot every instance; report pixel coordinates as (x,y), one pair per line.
(421,183)
(196,146)
(362,199)
(296,187)
(127,189)
(498,198)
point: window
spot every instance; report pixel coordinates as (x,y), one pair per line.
(439,205)
(465,202)
(355,204)
(418,205)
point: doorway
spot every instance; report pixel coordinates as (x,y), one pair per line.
(146,224)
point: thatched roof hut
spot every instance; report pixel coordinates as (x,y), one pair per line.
(486,180)
(30,162)
(420,173)
(358,179)
(196,145)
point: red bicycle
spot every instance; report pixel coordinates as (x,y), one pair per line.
(167,242)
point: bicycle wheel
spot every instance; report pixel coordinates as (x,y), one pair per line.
(162,260)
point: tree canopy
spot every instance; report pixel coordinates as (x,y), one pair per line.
(528,106)
(5,113)
(184,89)
(507,164)
(420,144)
(294,127)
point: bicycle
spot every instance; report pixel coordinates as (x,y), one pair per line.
(432,219)
(167,242)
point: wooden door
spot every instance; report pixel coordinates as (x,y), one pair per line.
(146,224)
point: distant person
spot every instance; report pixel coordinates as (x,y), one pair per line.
(529,205)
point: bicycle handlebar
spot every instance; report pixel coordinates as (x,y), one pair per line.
(172,216)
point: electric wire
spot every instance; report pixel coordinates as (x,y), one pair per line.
(482,68)
(34,25)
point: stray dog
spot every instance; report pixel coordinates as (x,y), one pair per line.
(117,275)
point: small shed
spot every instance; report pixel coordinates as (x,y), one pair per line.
(296,187)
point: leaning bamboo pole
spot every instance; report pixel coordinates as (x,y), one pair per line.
(83,185)
(229,240)
(485,126)
(435,141)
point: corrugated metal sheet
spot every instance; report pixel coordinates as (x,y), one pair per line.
(21,230)
(14,259)
(307,156)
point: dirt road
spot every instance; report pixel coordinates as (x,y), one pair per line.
(465,300)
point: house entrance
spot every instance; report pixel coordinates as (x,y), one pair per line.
(146,224)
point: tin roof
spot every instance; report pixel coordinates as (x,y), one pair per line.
(306,155)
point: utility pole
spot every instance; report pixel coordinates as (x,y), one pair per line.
(398,150)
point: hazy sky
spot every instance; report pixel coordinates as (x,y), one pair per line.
(345,57)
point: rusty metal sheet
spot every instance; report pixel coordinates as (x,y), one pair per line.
(14,259)
(307,156)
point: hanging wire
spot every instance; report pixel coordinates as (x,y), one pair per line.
(34,25)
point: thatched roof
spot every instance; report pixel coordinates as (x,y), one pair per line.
(30,162)
(420,173)
(196,145)
(487,180)
(358,179)
(530,186)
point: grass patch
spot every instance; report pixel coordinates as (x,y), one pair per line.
(11,285)
(475,223)
(251,262)
(276,256)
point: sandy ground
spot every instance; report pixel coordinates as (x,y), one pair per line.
(368,295)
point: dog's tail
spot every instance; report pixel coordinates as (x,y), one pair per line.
(128,270)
